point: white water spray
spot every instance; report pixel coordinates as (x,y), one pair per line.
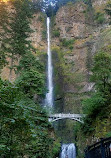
(68,151)
(49,95)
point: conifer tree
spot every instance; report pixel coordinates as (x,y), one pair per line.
(3,32)
(102,71)
(20,19)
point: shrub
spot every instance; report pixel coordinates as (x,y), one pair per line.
(99,18)
(67,43)
(56,33)
(44,34)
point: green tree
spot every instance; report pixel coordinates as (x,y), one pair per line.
(3,32)
(98,105)
(102,71)
(28,62)
(24,126)
(31,76)
(20,31)
(31,82)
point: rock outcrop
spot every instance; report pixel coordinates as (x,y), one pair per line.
(73,22)
(78,22)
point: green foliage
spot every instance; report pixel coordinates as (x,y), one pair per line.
(94,105)
(98,106)
(67,43)
(3,61)
(31,76)
(31,82)
(99,18)
(3,33)
(44,34)
(24,127)
(15,31)
(93,108)
(41,18)
(56,33)
(108,11)
(28,62)
(56,149)
(102,71)
(20,27)
(108,134)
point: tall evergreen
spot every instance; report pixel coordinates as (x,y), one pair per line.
(3,32)
(19,33)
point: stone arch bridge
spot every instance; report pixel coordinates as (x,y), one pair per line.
(61,116)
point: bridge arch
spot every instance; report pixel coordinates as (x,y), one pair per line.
(57,117)
(78,120)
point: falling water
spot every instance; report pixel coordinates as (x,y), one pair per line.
(49,95)
(68,151)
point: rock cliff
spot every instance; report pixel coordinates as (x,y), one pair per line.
(73,22)
(83,30)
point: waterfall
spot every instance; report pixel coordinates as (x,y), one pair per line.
(68,151)
(49,95)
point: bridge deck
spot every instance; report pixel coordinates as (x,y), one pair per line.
(66,115)
(56,117)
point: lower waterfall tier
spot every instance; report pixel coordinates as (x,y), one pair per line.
(68,151)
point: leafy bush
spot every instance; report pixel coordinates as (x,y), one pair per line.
(93,106)
(44,34)
(67,43)
(56,33)
(99,18)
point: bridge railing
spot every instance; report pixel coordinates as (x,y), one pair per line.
(67,115)
(101,149)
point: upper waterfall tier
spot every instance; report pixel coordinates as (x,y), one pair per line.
(49,95)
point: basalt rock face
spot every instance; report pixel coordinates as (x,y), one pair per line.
(38,26)
(99,3)
(71,21)
(78,22)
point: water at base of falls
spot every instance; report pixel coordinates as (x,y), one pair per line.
(68,151)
